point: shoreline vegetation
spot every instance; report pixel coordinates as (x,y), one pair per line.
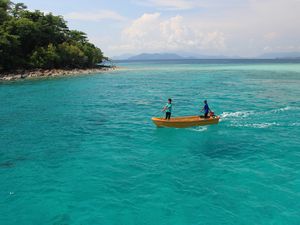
(38,44)
(43,73)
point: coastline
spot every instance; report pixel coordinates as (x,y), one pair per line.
(42,73)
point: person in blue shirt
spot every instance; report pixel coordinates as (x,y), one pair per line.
(206,109)
(168,109)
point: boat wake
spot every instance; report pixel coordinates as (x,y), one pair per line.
(256,125)
(199,129)
(287,108)
(297,124)
(263,119)
(242,114)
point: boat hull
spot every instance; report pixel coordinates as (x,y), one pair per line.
(187,121)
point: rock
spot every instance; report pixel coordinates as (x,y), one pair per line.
(21,74)
(7,78)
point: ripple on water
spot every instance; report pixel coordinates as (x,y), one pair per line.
(93,155)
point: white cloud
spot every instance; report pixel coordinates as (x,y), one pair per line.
(247,28)
(166,4)
(270,35)
(153,33)
(142,26)
(188,4)
(95,16)
(173,4)
(178,34)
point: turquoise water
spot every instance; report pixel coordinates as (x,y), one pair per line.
(83,150)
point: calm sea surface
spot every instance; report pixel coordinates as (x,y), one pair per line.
(83,150)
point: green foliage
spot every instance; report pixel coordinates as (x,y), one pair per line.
(45,58)
(4,7)
(9,45)
(18,9)
(71,55)
(37,40)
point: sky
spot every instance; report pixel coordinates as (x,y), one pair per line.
(245,28)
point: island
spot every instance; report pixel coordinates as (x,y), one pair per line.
(38,44)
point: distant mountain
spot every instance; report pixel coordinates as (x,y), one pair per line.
(196,56)
(173,56)
(281,55)
(186,55)
(122,57)
(155,56)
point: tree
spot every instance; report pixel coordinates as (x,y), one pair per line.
(26,31)
(9,44)
(77,36)
(33,39)
(4,7)
(71,55)
(17,9)
(94,54)
(45,58)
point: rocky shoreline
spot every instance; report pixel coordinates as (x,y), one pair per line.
(41,73)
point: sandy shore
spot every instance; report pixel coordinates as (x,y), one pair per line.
(51,73)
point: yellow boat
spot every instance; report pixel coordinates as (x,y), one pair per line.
(185,121)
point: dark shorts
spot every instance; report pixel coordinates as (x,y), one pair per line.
(168,115)
(206,115)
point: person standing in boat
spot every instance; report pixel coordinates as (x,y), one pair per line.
(168,109)
(206,109)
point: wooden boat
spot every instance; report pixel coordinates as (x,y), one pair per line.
(185,121)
